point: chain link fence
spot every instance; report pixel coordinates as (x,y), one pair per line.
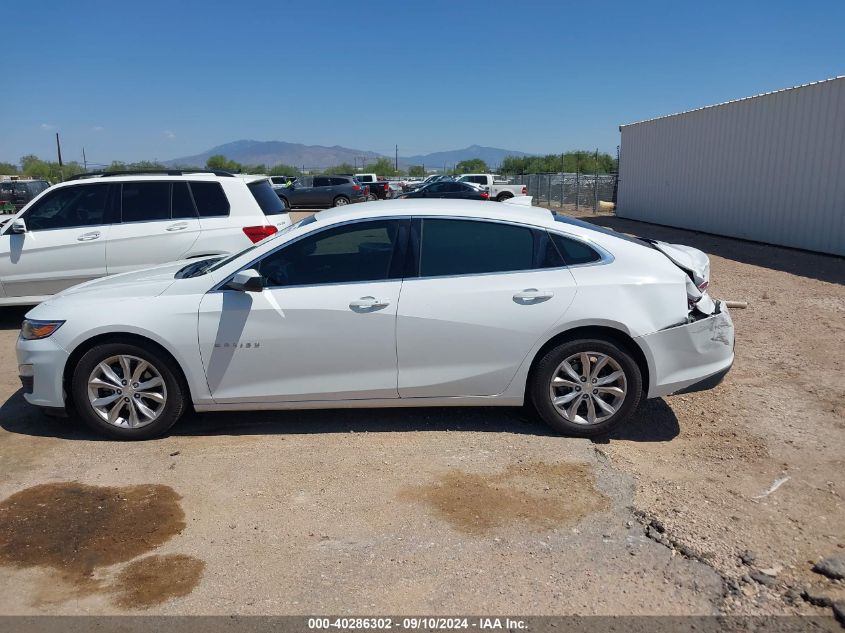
(571,192)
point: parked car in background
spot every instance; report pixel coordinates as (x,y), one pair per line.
(448,189)
(405,303)
(321,192)
(379,189)
(16,194)
(281,180)
(498,188)
(416,184)
(103,224)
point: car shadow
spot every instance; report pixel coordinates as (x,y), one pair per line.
(653,422)
(829,268)
(12,316)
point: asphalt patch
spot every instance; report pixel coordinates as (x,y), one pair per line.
(539,495)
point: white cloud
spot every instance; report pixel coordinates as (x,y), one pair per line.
(169,134)
(48,126)
(98,128)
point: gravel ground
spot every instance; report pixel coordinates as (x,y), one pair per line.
(465,510)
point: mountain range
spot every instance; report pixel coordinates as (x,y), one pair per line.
(272,153)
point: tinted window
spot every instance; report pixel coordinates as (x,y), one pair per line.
(573,251)
(182,204)
(355,252)
(464,247)
(145,201)
(266,198)
(321,181)
(339,181)
(437,187)
(210,199)
(66,207)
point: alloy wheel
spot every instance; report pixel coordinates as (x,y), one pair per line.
(588,388)
(127,391)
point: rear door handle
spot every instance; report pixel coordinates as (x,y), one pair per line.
(179,226)
(532,294)
(87,237)
(369,302)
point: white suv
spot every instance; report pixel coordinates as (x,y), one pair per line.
(102,224)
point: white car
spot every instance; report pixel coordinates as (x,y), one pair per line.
(104,224)
(391,304)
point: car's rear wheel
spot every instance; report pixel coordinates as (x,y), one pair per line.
(371,197)
(586,387)
(128,392)
(340,201)
(504,196)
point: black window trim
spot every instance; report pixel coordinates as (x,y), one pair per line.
(107,212)
(118,205)
(604,256)
(397,261)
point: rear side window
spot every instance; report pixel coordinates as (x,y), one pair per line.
(145,201)
(574,252)
(322,181)
(266,198)
(339,181)
(467,247)
(182,204)
(210,200)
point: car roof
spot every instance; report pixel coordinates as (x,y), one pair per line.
(447,208)
(162,175)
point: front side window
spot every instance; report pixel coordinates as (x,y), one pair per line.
(69,207)
(467,247)
(304,183)
(145,201)
(357,252)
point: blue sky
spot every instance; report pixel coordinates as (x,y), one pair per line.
(168,79)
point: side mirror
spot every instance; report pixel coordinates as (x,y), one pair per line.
(247,281)
(18,226)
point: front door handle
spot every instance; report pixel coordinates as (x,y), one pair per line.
(87,237)
(179,226)
(532,294)
(368,302)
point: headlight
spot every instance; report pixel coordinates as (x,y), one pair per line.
(32,330)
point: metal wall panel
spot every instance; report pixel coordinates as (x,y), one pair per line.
(769,168)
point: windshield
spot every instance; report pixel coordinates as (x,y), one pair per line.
(287,229)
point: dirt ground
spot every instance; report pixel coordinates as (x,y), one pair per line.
(708,503)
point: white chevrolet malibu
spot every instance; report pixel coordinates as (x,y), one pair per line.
(393,304)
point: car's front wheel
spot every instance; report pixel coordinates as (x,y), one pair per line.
(127,392)
(285,204)
(586,387)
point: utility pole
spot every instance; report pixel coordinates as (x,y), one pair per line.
(84,160)
(396,160)
(59,149)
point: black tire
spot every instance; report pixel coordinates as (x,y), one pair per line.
(539,388)
(372,197)
(504,196)
(174,406)
(284,202)
(337,201)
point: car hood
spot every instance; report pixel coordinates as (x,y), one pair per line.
(149,282)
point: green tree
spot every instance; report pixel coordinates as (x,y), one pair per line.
(343,168)
(220,162)
(570,162)
(382,167)
(284,170)
(8,169)
(416,170)
(472,166)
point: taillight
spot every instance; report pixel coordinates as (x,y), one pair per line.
(524,190)
(484,195)
(356,187)
(703,285)
(258,233)
(387,186)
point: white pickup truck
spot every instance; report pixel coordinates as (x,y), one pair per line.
(498,188)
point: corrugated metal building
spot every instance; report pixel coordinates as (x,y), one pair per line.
(769,168)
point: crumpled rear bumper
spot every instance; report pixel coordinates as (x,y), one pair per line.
(689,357)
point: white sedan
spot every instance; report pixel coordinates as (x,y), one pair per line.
(389,304)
